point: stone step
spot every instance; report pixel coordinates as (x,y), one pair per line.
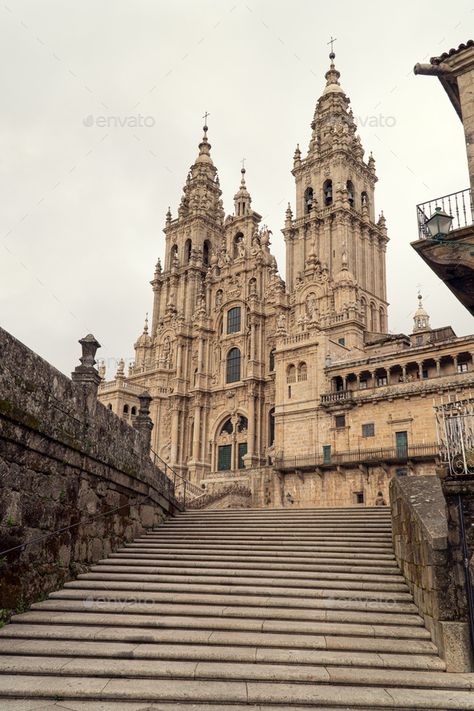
(296,570)
(253,638)
(95,616)
(312,551)
(244,671)
(373,540)
(150,574)
(233,692)
(139,604)
(304,562)
(325,590)
(48,645)
(283,513)
(155,583)
(274,528)
(61,611)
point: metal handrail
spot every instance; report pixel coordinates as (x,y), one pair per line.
(173,475)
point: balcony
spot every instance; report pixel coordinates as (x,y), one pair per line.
(338,399)
(368,457)
(452,258)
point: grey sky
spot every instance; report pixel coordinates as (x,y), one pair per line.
(82,207)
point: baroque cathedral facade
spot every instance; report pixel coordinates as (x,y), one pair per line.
(288,393)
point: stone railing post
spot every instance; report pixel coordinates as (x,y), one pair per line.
(85,377)
(143,422)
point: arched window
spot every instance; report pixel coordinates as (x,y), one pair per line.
(327,192)
(271,426)
(234,320)
(382,320)
(350,192)
(109,406)
(302,371)
(373,317)
(364,198)
(134,410)
(206,252)
(308,200)
(271,364)
(188,245)
(173,254)
(125,409)
(243,424)
(227,427)
(233,366)
(238,245)
(291,374)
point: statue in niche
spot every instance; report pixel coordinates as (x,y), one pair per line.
(312,306)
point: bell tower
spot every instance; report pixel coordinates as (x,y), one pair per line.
(334,225)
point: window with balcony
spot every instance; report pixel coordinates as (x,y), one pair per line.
(382,380)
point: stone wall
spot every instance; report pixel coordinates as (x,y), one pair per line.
(65,459)
(428,555)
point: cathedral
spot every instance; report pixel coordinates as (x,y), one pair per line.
(272,393)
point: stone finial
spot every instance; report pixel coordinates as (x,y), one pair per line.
(168,217)
(85,377)
(102,369)
(297,156)
(89,348)
(120,369)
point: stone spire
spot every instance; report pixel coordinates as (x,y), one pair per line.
(242,199)
(144,340)
(333,123)
(421,319)
(201,192)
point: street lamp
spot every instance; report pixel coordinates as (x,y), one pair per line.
(439,224)
(438,227)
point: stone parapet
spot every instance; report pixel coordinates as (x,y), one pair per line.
(426,557)
(65,463)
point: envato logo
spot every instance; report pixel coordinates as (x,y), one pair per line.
(131,121)
(368,602)
(100,602)
(370,120)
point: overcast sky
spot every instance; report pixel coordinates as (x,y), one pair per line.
(83,205)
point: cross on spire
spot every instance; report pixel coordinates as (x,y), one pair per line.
(205,117)
(331,42)
(243,163)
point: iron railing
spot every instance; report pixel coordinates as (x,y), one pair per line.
(358,456)
(459,205)
(455,427)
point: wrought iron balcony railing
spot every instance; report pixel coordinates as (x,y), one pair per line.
(459,205)
(396,455)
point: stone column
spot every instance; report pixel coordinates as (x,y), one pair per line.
(197,433)
(438,366)
(143,422)
(174,433)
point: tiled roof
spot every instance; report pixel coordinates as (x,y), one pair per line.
(445,55)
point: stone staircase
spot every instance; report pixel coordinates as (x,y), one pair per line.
(261,610)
